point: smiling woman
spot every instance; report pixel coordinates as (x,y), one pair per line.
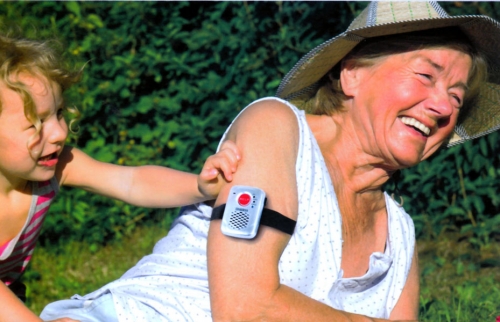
(422,86)
(382,96)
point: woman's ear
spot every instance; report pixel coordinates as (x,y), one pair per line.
(350,78)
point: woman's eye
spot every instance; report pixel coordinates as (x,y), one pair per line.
(457,99)
(427,76)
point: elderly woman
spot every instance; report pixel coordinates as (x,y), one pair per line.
(383,96)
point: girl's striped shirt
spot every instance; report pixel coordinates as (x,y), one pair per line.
(16,254)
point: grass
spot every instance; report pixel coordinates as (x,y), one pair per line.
(458,282)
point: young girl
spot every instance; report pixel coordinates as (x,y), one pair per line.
(34,162)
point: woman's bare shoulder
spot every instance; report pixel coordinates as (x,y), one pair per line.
(268,118)
(267,136)
(271,109)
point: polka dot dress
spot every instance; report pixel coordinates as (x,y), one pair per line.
(171,284)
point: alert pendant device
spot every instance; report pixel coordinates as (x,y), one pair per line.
(244,212)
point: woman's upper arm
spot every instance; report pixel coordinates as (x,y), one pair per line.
(407,306)
(243,274)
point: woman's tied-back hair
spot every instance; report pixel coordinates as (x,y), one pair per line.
(38,58)
(329,97)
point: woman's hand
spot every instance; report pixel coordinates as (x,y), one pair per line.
(218,169)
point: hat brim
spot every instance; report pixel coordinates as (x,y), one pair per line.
(482,31)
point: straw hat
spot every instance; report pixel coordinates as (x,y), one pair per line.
(389,18)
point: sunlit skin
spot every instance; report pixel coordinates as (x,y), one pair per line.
(427,85)
(37,161)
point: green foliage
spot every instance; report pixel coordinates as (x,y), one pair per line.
(467,303)
(162,81)
(458,281)
(456,190)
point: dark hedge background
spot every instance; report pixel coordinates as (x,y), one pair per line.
(164,79)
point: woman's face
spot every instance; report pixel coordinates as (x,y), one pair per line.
(406,105)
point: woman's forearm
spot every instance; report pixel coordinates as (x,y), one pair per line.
(287,305)
(291,305)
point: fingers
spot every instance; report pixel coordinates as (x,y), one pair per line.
(225,161)
(231,148)
(216,164)
(230,152)
(208,174)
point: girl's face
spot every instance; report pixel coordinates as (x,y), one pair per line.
(407,105)
(25,155)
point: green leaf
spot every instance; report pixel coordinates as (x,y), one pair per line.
(95,20)
(73,7)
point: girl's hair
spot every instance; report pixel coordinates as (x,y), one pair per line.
(38,58)
(329,96)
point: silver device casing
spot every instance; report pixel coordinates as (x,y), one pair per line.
(242,221)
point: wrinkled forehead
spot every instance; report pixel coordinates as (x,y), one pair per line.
(443,59)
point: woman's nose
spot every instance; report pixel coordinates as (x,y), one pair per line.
(440,104)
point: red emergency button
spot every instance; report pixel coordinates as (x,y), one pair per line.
(244,199)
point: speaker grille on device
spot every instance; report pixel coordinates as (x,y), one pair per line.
(238,220)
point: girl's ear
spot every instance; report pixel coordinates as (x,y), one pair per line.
(350,78)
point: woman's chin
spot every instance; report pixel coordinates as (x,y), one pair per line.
(406,158)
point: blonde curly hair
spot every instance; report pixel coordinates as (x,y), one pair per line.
(38,58)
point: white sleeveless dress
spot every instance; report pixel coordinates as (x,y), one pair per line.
(171,284)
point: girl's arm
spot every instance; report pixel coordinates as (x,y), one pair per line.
(148,186)
(243,274)
(13,310)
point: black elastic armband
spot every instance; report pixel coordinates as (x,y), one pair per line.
(269,218)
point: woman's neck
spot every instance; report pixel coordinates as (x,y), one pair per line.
(357,177)
(349,165)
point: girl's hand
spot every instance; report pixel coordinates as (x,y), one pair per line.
(218,168)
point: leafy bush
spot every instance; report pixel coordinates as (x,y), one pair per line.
(163,80)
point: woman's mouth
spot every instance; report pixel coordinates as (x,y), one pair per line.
(410,121)
(48,160)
